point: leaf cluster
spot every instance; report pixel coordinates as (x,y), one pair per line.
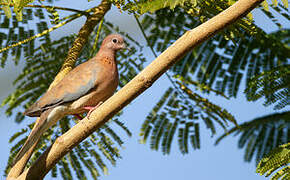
(21,35)
(18,6)
(13,31)
(274,85)
(181,113)
(279,158)
(219,63)
(261,135)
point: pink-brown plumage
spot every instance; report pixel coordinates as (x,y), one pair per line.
(86,85)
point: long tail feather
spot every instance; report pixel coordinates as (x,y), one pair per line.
(34,136)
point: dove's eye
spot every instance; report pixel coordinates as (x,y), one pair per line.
(115,40)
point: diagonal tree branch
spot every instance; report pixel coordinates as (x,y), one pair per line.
(135,87)
(83,35)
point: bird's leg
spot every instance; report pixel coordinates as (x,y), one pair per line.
(78,116)
(92,108)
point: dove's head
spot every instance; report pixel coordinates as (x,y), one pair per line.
(114,42)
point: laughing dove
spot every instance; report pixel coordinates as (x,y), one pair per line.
(82,89)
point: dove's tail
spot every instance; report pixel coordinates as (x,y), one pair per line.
(34,136)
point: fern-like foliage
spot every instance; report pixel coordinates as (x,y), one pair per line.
(18,6)
(181,114)
(13,31)
(192,9)
(143,6)
(17,37)
(206,9)
(274,85)
(219,63)
(279,158)
(277,8)
(39,71)
(261,135)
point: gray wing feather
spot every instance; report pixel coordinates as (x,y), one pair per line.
(82,90)
(73,86)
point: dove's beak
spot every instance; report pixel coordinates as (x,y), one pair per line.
(125,47)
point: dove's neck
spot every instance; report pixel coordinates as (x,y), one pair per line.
(107,54)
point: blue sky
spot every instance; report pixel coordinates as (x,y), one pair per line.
(222,162)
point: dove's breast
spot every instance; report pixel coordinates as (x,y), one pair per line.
(106,83)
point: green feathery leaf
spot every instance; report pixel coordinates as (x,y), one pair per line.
(261,135)
(278,159)
(218,63)
(181,113)
(274,85)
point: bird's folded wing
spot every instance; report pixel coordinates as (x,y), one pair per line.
(74,85)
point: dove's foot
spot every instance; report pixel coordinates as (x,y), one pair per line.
(78,116)
(91,109)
